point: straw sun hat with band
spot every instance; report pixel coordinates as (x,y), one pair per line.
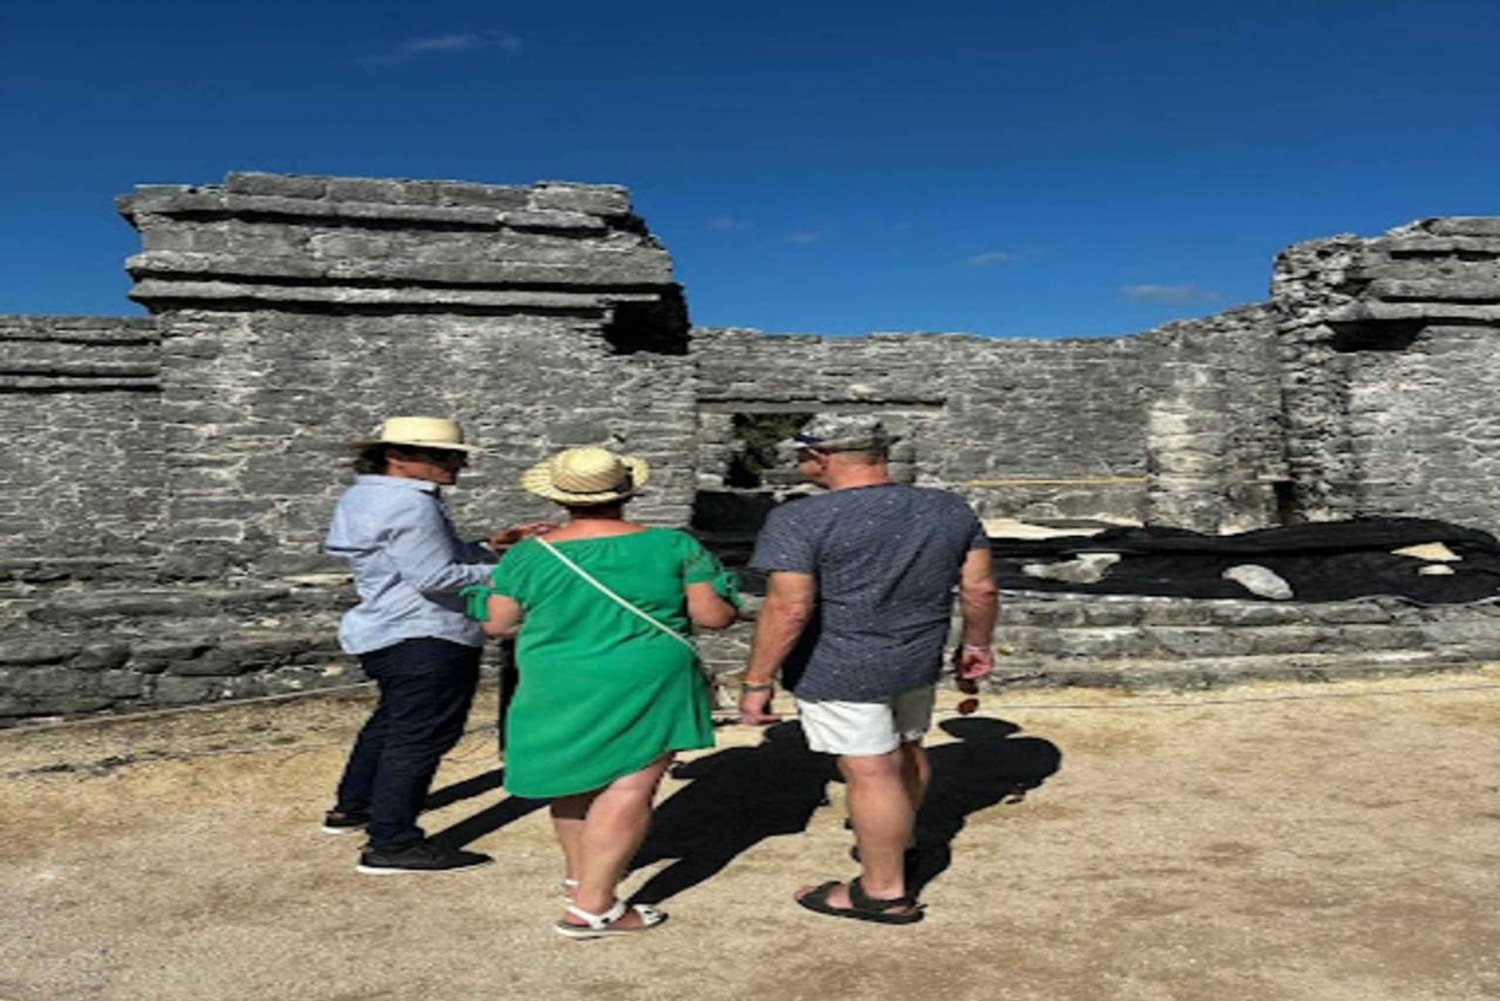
(420,432)
(583,477)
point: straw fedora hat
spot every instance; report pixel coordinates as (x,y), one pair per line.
(420,432)
(584,476)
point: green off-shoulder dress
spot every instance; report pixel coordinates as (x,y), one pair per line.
(603,693)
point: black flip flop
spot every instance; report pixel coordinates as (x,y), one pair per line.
(865,907)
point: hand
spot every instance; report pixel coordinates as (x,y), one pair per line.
(970,663)
(510,536)
(755,709)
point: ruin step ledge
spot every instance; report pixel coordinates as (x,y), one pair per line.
(598,199)
(1423,245)
(191,607)
(1062,610)
(160,290)
(1378,311)
(1461,226)
(1477,290)
(97,331)
(1223,672)
(223,661)
(590,268)
(217,204)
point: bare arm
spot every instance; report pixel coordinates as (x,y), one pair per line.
(706,608)
(979,600)
(504,617)
(790,599)
(504,538)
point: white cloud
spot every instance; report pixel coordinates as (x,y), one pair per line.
(437,45)
(804,236)
(726,224)
(1169,295)
(990,258)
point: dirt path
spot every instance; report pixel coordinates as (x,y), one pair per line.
(1271,842)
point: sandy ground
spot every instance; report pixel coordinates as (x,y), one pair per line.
(1269,842)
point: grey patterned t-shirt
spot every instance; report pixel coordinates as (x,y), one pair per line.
(886,559)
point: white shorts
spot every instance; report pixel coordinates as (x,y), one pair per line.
(866,728)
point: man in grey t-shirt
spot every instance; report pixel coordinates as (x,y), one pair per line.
(858,597)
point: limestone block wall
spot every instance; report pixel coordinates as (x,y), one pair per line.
(905,378)
(80,433)
(1215,452)
(296,312)
(1417,441)
(1389,371)
(989,415)
(1032,429)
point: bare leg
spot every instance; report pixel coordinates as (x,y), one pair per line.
(567,822)
(613,829)
(916,772)
(883,809)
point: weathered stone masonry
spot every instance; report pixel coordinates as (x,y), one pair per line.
(1037,429)
(293,311)
(167,480)
(1389,371)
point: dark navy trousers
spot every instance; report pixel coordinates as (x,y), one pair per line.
(426,688)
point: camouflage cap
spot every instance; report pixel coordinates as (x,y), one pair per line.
(844,433)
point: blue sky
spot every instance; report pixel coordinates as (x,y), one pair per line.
(1001,168)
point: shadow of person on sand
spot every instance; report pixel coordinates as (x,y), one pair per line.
(986,765)
(735,798)
(509,809)
(465,832)
(476,785)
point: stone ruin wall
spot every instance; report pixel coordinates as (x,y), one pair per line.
(1177,426)
(296,311)
(1389,372)
(79,393)
(168,480)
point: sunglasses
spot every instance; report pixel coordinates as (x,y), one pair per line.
(438,456)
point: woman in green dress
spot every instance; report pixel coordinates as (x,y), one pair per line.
(609,681)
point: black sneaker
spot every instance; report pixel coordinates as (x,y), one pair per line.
(419,856)
(339,822)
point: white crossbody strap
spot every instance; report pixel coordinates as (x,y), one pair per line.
(580,571)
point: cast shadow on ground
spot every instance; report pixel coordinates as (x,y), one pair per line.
(486,821)
(740,796)
(986,765)
(734,799)
(476,785)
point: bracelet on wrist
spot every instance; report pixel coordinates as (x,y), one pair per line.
(749,687)
(978,648)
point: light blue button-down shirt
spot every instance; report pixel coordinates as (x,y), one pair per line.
(409,564)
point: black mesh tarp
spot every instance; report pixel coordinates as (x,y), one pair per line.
(1329,561)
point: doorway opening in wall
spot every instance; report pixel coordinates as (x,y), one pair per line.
(1285,499)
(756,455)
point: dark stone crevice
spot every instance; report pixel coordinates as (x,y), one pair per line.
(651,327)
(1378,335)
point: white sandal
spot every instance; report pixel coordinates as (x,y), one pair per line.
(602,925)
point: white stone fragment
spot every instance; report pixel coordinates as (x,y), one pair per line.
(1088,568)
(1259,580)
(1435,551)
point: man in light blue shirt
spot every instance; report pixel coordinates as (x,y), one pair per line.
(410,634)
